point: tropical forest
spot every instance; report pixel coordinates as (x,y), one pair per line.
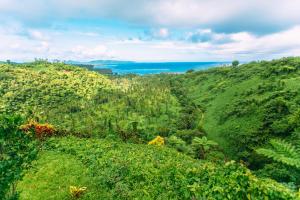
(149,99)
(227,132)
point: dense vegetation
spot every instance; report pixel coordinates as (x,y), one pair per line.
(112,170)
(17,150)
(78,101)
(91,132)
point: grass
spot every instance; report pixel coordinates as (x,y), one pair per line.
(52,176)
(113,170)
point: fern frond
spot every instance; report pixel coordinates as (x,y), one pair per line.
(284,148)
(283,152)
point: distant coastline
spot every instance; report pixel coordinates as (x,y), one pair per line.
(112,67)
(142,68)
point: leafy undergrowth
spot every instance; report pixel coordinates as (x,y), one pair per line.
(240,108)
(113,170)
(86,103)
(245,106)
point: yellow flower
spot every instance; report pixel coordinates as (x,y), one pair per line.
(159,141)
(77,191)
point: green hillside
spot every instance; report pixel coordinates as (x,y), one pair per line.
(246,105)
(69,133)
(86,103)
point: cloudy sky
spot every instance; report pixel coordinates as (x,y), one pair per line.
(149,30)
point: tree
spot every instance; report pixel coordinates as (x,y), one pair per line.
(190,71)
(235,63)
(283,152)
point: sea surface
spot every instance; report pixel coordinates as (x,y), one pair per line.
(158,67)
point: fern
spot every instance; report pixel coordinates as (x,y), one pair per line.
(202,145)
(282,151)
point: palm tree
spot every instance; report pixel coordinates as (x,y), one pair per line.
(282,151)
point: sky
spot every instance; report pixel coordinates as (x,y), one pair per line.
(149,30)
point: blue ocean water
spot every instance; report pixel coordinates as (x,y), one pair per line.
(158,67)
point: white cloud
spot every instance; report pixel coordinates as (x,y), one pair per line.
(227,15)
(37,35)
(89,53)
(163,33)
(26,44)
(90,34)
(243,45)
(277,43)
(29,44)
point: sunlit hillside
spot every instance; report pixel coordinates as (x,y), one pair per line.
(223,133)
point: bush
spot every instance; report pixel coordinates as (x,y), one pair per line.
(158,141)
(280,173)
(178,144)
(40,130)
(190,71)
(17,150)
(188,135)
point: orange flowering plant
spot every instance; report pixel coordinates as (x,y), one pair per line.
(40,130)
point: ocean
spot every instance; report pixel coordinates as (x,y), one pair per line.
(158,67)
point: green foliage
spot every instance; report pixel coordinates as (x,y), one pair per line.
(281,173)
(178,144)
(243,107)
(190,71)
(239,108)
(202,146)
(283,152)
(113,170)
(76,100)
(188,135)
(17,150)
(52,175)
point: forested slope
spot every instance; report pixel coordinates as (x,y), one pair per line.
(183,136)
(76,100)
(245,106)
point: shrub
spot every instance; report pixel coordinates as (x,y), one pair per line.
(190,71)
(202,146)
(40,130)
(188,135)
(281,173)
(178,144)
(77,192)
(17,150)
(159,141)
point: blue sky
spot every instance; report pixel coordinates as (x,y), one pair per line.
(149,30)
